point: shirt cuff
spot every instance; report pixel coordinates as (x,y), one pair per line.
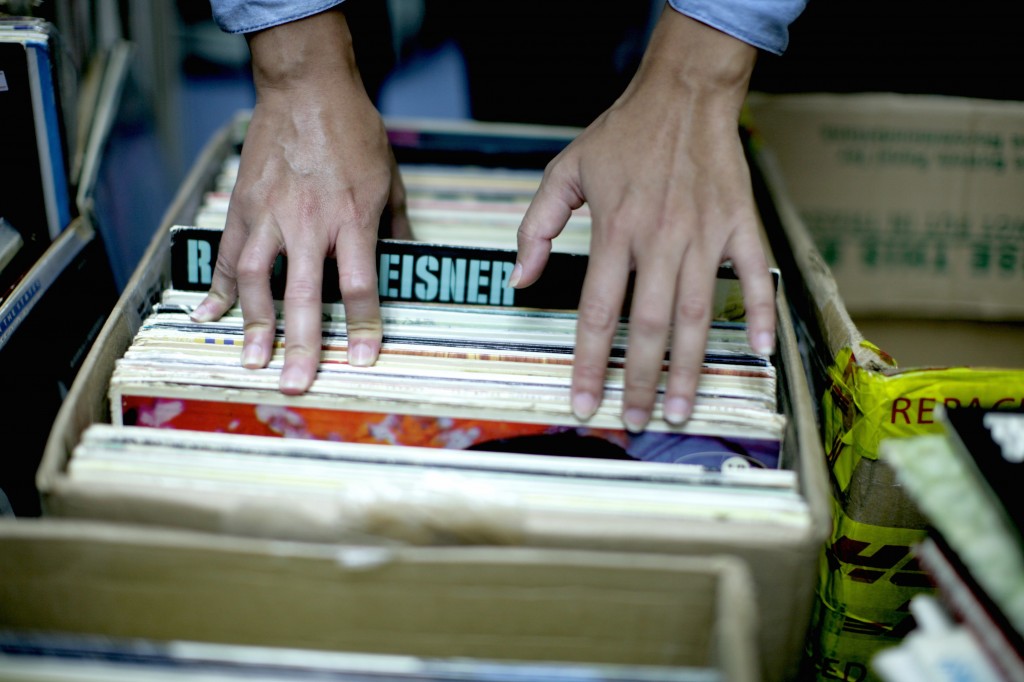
(761,23)
(241,16)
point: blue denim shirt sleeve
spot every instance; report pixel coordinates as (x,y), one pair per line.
(245,16)
(761,23)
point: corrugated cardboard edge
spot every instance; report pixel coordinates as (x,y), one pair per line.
(832,316)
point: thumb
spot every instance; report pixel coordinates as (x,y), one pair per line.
(544,220)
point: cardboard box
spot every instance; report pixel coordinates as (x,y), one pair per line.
(913,201)
(783,560)
(895,234)
(503,604)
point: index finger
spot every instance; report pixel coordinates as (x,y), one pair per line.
(223,290)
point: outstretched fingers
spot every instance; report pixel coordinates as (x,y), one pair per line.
(600,311)
(758,287)
(649,323)
(357,273)
(303,318)
(691,320)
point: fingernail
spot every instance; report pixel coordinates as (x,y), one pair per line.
(360,354)
(635,419)
(676,410)
(515,276)
(584,405)
(252,355)
(764,343)
(292,381)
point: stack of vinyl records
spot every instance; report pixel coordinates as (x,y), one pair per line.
(54,270)
(471,388)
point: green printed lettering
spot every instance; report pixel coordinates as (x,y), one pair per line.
(829,249)
(841,223)
(1003,226)
(900,222)
(902,157)
(870,255)
(941,257)
(947,224)
(1008,257)
(851,156)
(967,160)
(981,256)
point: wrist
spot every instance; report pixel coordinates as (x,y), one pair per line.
(304,53)
(692,59)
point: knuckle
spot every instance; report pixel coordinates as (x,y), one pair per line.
(597,317)
(553,168)
(358,284)
(690,310)
(646,323)
(302,291)
(250,268)
(244,195)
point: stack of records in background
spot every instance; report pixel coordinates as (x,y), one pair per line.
(56,285)
(966,482)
